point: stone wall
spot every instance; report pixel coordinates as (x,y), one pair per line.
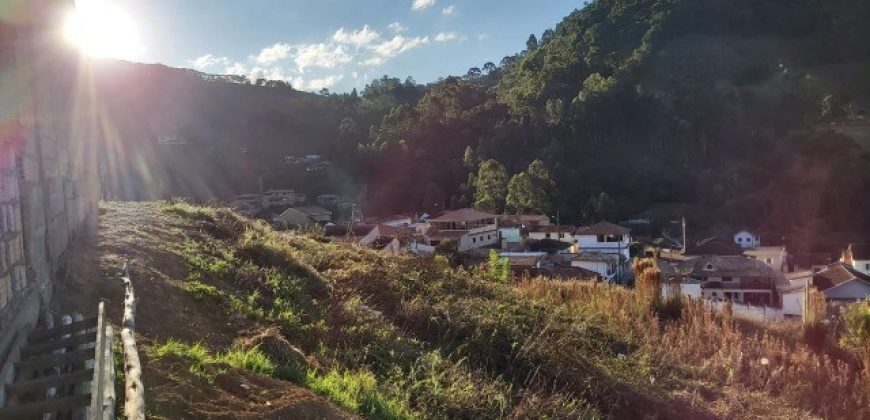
(49,188)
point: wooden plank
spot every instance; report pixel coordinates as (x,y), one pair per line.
(43,362)
(99,363)
(72,341)
(57,381)
(134,392)
(56,332)
(37,409)
(108,408)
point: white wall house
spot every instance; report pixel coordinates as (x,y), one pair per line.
(607,266)
(733,277)
(857,256)
(604,237)
(278,198)
(563,233)
(469,228)
(747,240)
(775,257)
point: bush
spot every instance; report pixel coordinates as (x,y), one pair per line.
(499,268)
(856,328)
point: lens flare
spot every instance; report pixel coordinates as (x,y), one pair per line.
(103,30)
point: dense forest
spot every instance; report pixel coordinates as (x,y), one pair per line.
(735,110)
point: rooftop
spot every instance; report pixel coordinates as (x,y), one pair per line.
(604,228)
(837,273)
(725,266)
(463,215)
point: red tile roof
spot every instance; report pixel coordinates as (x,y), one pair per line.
(835,274)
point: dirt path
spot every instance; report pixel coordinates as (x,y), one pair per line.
(140,234)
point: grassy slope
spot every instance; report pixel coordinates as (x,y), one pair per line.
(398,337)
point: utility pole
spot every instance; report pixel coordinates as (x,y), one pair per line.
(684,234)
(806,298)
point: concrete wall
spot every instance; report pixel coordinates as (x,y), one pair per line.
(48,180)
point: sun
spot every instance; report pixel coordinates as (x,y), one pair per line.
(101,29)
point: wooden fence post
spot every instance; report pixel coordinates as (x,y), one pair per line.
(134,392)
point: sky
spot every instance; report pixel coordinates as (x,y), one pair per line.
(334,44)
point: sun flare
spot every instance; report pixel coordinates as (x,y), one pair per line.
(101,29)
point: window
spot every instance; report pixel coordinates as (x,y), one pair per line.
(547,236)
(739,240)
(473,240)
(600,238)
(867,266)
(709,267)
(769,260)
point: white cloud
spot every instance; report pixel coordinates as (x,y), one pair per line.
(315,84)
(422,4)
(272,73)
(237,69)
(275,52)
(321,55)
(397,27)
(207,61)
(449,10)
(446,37)
(483,37)
(360,38)
(398,45)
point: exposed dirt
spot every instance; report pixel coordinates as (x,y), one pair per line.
(139,234)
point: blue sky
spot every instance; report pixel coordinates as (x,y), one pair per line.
(338,44)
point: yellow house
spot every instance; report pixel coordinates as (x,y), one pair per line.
(303,217)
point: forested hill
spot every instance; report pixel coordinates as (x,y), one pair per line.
(716,104)
(729,107)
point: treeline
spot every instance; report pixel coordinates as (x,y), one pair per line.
(719,104)
(726,106)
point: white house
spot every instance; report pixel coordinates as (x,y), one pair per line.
(775,257)
(469,228)
(732,277)
(842,284)
(857,256)
(605,238)
(556,232)
(607,266)
(278,198)
(839,283)
(747,240)
(512,227)
(248,204)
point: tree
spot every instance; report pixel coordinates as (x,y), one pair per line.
(499,267)
(530,191)
(547,36)
(469,159)
(532,43)
(490,187)
(489,67)
(474,73)
(599,208)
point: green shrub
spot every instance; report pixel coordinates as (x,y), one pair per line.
(856,327)
(499,268)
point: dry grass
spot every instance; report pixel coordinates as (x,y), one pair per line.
(399,337)
(717,351)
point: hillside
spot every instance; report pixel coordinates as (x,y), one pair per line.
(725,107)
(236,318)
